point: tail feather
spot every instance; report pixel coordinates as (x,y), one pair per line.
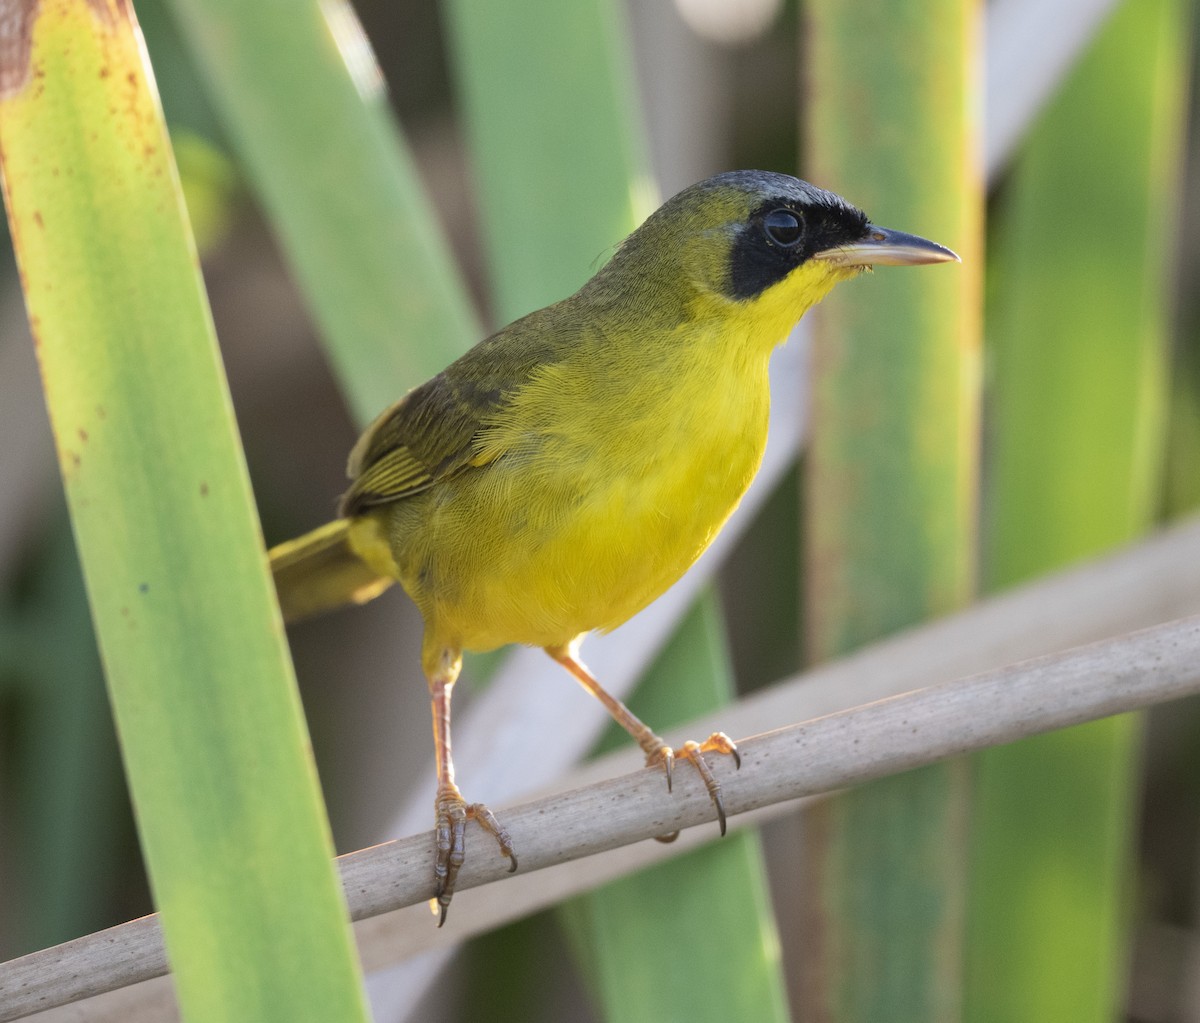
(319,571)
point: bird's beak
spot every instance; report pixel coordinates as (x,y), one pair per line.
(888,247)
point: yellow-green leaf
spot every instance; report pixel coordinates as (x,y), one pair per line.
(211,731)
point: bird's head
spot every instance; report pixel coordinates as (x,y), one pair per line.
(754,243)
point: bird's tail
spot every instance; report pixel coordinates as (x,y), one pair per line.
(320,571)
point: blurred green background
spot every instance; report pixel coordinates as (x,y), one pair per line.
(1090,435)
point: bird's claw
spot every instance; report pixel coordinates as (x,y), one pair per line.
(450,829)
(694,752)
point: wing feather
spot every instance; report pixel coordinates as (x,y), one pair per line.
(431,433)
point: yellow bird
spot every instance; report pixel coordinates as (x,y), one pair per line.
(568,469)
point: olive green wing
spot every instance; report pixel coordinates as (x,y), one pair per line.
(423,438)
(429,435)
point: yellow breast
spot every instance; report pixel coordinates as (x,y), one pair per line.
(601,496)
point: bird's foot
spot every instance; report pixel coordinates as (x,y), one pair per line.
(694,752)
(453,812)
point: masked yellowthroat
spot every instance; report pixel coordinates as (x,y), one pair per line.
(568,469)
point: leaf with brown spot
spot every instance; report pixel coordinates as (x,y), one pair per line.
(16,41)
(228,809)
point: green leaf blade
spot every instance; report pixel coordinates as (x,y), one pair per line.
(890,479)
(340,188)
(212,734)
(1078,331)
(557,190)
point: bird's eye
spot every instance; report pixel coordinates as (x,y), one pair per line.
(783,227)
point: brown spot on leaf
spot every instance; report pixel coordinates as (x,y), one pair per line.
(83,435)
(37,218)
(111,10)
(204,490)
(16,40)
(103,11)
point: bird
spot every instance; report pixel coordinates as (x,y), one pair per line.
(568,469)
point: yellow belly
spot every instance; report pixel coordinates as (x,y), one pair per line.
(573,530)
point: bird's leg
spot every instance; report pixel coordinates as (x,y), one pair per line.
(452,811)
(657,751)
